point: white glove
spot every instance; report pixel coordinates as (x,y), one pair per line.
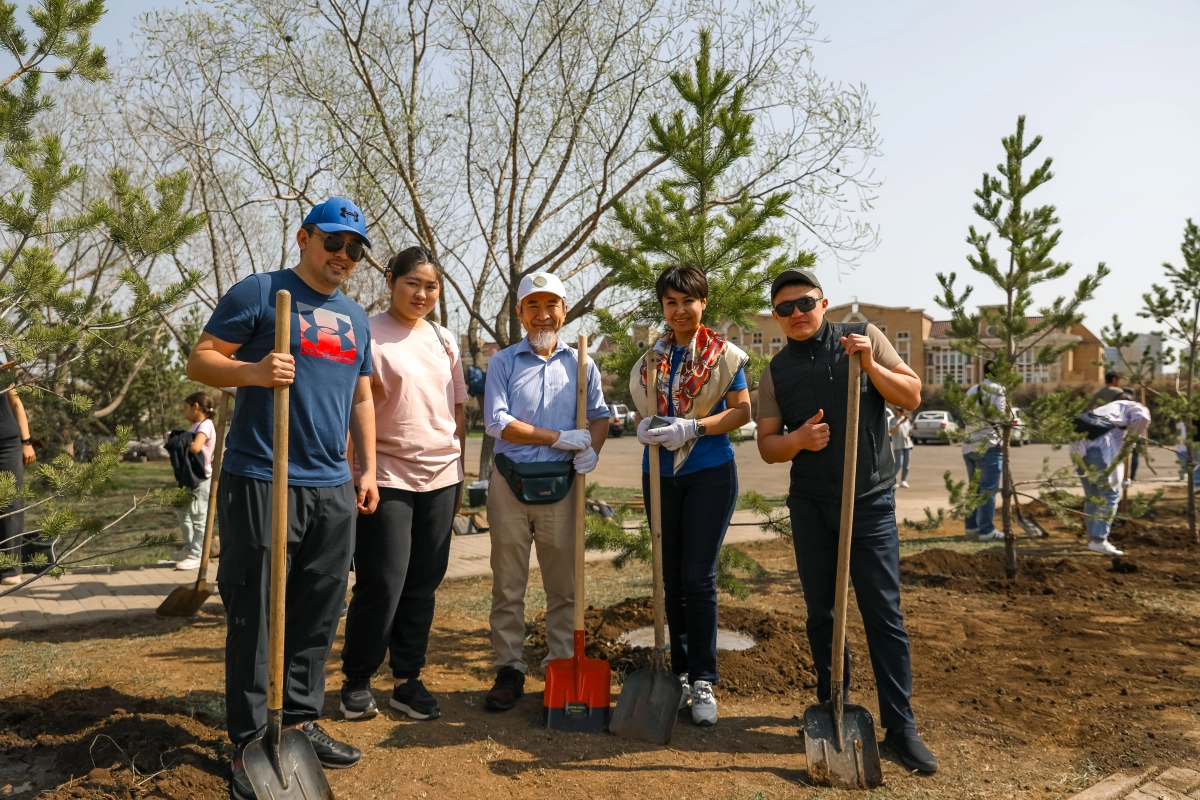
(579,439)
(643,432)
(585,461)
(675,435)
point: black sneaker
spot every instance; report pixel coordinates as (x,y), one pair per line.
(239,784)
(330,752)
(907,746)
(506,691)
(415,700)
(357,701)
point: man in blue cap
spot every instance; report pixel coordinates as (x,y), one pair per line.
(328,369)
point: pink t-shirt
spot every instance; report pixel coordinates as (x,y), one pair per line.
(415,387)
(210,443)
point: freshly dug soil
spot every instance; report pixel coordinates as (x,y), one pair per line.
(984,572)
(105,744)
(779,662)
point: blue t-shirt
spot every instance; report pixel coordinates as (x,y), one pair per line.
(331,341)
(708,451)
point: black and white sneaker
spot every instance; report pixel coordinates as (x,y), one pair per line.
(357,701)
(330,752)
(415,700)
(239,784)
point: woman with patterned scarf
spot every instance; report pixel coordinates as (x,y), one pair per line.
(702,396)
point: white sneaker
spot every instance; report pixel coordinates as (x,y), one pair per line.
(903,484)
(188,563)
(1103,546)
(994,536)
(686,697)
(704,704)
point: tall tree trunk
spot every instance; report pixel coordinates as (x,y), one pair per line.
(1007,495)
(486,461)
(1190,433)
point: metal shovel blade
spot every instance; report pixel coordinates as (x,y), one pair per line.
(853,765)
(647,706)
(294,773)
(183,601)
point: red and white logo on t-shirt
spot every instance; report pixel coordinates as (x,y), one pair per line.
(326,334)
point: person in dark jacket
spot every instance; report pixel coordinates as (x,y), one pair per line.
(802,419)
(16,451)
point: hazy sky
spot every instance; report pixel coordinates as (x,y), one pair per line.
(1112,87)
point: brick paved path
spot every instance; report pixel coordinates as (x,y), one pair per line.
(1154,783)
(82,597)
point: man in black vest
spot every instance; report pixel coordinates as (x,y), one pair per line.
(802,419)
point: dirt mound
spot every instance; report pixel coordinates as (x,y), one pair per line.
(778,664)
(109,745)
(984,572)
(1165,531)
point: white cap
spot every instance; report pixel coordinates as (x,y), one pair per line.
(541,282)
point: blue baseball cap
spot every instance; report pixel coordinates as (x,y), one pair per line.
(339,214)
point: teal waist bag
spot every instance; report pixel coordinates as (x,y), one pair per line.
(539,482)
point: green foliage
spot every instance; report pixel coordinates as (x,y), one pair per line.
(700,216)
(931,522)
(775,520)
(1009,332)
(730,561)
(72,342)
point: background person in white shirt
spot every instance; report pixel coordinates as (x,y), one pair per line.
(902,445)
(1100,498)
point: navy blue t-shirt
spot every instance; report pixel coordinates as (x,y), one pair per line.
(331,341)
(708,451)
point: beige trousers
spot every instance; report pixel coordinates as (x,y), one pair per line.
(514,527)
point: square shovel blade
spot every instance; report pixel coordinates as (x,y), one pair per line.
(647,706)
(855,765)
(298,765)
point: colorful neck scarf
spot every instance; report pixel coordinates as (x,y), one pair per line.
(710,364)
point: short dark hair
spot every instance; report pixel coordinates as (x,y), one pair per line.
(1111,378)
(682,278)
(409,259)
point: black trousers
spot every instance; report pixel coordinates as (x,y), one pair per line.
(400,557)
(696,509)
(320,527)
(875,575)
(12,527)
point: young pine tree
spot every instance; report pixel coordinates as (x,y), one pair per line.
(1177,306)
(1005,333)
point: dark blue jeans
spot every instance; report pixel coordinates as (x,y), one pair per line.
(696,509)
(875,576)
(988,465)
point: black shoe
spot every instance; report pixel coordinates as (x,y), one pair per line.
(239,784)
(330,752)
(506,691)
(907,746)
(415,700)
(357,702)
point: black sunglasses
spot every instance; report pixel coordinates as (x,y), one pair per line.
(354,250)
(805,304)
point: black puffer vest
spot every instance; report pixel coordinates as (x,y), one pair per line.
(811,375)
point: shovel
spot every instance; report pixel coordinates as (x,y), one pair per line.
(578,689)
(839,738)
(649,700)
(282,765)
(185,601)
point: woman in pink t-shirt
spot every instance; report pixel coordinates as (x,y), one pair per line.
(402,550)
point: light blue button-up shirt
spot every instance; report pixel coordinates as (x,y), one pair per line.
(521,385)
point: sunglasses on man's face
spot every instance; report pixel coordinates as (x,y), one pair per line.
(805,304)
(354,250)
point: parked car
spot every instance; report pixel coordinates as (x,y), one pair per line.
(928,426)
(749,430)
(619,417)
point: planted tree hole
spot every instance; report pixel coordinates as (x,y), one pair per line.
(726,639)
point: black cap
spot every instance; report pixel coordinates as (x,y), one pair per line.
(793,275)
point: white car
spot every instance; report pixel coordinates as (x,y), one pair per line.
(749,430)
(928,426)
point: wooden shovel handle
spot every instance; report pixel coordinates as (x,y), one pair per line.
(580,482)
(842,590)
(660,616)
(218,450)
(279,510)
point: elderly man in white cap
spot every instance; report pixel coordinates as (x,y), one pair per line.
(529,408)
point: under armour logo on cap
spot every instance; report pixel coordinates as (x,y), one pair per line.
(348,213)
